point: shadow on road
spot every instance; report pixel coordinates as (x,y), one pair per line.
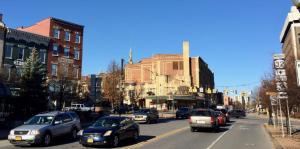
(128,142)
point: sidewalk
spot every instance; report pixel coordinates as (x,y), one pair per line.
(288,142)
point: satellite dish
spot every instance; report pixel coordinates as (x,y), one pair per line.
(296,3)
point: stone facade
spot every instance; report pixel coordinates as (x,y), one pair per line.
(167,74)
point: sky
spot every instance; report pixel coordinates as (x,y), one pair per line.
(236,38)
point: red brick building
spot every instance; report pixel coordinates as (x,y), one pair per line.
(65,48)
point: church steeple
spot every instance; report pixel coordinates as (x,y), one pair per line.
(130,57)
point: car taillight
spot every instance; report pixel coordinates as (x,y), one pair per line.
(212,120)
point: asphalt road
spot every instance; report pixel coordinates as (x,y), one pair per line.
(245,133)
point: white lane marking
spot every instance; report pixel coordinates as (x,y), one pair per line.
(209,147)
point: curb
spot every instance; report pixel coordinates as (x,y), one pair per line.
(275,142)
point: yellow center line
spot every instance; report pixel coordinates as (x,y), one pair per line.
(156,138)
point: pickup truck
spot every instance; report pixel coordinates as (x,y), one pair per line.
(79,107)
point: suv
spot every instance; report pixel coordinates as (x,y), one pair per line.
(237,113)
(183,112)
(203,118)
(146,116)
(42,128)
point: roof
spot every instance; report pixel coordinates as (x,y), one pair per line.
(27,36)
(67,22)
(52,113)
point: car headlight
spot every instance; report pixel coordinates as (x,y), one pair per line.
(34,132)
(80,133)
(11,132)
(107,133)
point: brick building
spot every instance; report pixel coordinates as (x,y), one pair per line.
(65,48)
(166,78)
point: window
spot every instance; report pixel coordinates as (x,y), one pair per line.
(67,118)
(8,51)
(65,70)
(55,50)
(19,71)
(67,51)
(42,55)
(181,65)
(76,53)
(77,38)
(21,53)
(56,33)
(54,69)
(175,65)
(76,72)
(67,36)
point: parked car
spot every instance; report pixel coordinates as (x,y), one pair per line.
(237,113)
(221,118)
(225,112)
(203,118)
(146,116)
(109,131)
(183,112)
(43,128)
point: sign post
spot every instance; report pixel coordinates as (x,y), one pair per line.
(281,85)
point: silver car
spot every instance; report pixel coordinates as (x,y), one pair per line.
(43,128)
(203,118)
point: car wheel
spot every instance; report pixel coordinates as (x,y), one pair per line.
(47,139)
(193,129)
(74,134)
(115,142)
(135,136)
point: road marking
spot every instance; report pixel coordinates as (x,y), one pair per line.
(209,147)
(157,138)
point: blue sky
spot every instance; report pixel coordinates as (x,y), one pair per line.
(236,38)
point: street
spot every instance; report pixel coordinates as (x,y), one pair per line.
(175,134)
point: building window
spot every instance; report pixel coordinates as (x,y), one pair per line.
(76,54)
(55,50)
(181,65)
(175,65)
(56,33)
(67,51)
(21,53)
(76,72)
(77,38)
(54,69)
(42,55)
(65,70)
(19,71)
(67,35)
(8,52)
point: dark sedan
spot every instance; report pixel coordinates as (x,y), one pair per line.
(109,131)
(183,112)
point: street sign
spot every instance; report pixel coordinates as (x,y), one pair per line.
(298,72)
(280,72)
(278,56)
(279,64)
(281,86)
(273,100)
(280,78)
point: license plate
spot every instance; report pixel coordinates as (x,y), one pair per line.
(90,140)
(201,122)
(18,138)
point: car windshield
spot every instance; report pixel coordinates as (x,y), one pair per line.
(200,113)
(106,122)
(143,111)
(40,120)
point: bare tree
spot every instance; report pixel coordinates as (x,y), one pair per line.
(112,84)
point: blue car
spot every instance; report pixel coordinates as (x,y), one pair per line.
(109,130)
